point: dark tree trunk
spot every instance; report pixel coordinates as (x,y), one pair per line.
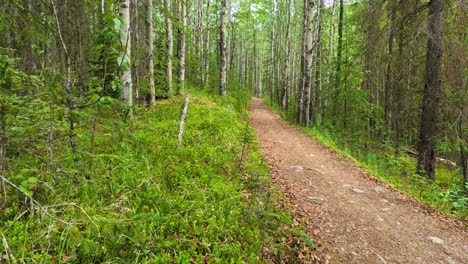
(430,107)
(338,60)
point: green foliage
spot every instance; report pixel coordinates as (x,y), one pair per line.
(133,196)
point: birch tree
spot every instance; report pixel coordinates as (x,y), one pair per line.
(126,78)
(307,55)
(170,45)
(150,43)
(222,49)
(182,13)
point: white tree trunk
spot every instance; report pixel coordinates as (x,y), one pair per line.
(222,48)
(170,45)
(307,74)
(126,78)
(150,43)
(207,46)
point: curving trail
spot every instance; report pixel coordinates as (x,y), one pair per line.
(356,218)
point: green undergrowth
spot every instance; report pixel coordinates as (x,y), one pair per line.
(131,194)
(398,170)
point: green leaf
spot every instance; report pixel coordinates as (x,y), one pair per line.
(117,25)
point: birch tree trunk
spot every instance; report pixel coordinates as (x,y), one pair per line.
(222,48)
(206,58)
(318,60)
(307,74)
(271,67)
(150,43)
(430,107)
(170,45)
(181,43)
(126,78)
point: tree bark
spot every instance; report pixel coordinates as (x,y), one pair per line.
(181,43)
(307,73)
(150,43)
(339,61)
(222,48)
(430,107)
(389,80)
(285,86)
(170,45)
(126,78)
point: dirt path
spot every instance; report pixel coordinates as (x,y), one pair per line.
(357,219)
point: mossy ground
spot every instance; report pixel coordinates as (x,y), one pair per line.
(132,195)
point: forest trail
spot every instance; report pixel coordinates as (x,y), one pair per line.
(355,218)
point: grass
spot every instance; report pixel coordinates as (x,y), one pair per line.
(445,194)
(132,195)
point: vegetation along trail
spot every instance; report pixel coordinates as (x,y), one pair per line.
(358,219)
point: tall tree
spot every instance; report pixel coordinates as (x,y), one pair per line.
(285,84)
(430,107)
(126,78)
(170,45)
(150,43)
(222,49)
(307,72)
(182,13)
(339,58)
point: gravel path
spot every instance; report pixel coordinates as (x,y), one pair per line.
(355,218)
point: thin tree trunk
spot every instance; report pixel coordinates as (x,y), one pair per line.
(389,81)
(318,59)
(206,58)
(170,45)
(339,61)
(181,43)
(150,44)
(430,107)
(285,86)
(136,44)
(271,71)
(222,48)
(307,79)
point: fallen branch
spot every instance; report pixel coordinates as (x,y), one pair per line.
(441,160)
(34,201)
(9,255)
(182,120)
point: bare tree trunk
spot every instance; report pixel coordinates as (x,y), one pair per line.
(68,83)
(285,86)
(339,61)
(181,43)
(430,107)
(389,81)
(206,58)
(222,48)
(318,60)
(136,44)
(170,45)
(150,43)
(307,74)
(271,67)
(300,87)
(126,78)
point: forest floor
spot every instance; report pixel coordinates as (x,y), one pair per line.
(353,217)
